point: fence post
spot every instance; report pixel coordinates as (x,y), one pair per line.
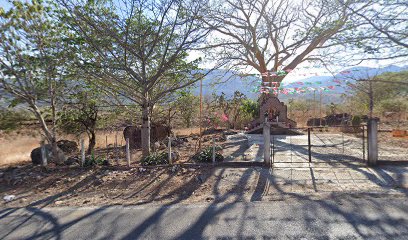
(372,137)
(291,148)
(82,153)
(127,152)
(43,154)
(364,143)
(169,155)
(273,149)
(116,149)
(309,145)
(213,150)
(267,143)
(106,142)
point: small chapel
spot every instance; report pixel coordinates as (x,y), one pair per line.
(277,113)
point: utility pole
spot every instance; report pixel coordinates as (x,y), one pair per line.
(314,107)
(320,109)
(201,111)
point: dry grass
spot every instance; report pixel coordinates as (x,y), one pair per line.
(104,138)
(187,131)
(16,147)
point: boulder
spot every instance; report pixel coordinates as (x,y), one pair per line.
(72,161)
(134,134)
(175,156)
(159,146)
(174,141)
(158,132)
(36,157)
(68,146)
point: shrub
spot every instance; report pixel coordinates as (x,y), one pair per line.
(356,121)
(156,158)
(93,161)
(205,155)
(10,120)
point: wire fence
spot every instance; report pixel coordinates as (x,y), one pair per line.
(393,145)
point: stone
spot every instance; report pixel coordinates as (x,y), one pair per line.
(209,199)
(175,142)
(158,132)
(68,146)
(36,156)
(9,198)
(175,156)
(71,161)
(275,110)
(175,168)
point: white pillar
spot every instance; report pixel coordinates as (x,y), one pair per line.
(43,154)
(82,153)
(169,155)
(267,143)
(372,135)
(213,150)
(127,152)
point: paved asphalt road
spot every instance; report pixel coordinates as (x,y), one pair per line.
(362,217)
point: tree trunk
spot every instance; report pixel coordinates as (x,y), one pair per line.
(43,125)
(145,128)
(55,153)
(92,141)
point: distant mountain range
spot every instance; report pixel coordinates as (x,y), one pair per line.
(228,82)
(219,81)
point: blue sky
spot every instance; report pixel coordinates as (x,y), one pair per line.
(193,55)
(4,4)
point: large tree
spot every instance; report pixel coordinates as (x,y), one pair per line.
(33,61)
(139,48)
(382,31)
(277,35)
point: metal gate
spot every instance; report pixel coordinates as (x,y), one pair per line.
(342,145)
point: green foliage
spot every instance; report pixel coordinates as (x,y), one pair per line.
(10,120)
(356,121)
(222,107)
(301,105)
(206,155)
(80,115)
(333,108)
(93,161)
(34,62)
(385,87)
(250,108)
(149,49)
(156,158)
(34,51)
(187,105)
(138,52)
(398,105)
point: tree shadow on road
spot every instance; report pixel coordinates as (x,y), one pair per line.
(320,215)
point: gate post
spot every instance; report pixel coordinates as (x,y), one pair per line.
(267,141)
(309,144)
(372,136)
